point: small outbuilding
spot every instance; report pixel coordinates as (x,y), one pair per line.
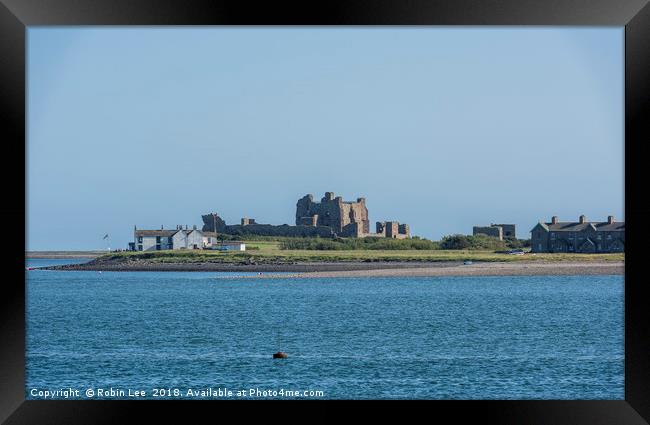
(229,246)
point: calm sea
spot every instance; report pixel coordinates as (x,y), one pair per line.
(535,337)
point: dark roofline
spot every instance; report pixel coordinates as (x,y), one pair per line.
(156,232)
(576,226)
(595,223)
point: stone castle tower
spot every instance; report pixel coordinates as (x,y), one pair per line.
(346,218)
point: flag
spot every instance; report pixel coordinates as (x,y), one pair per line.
(105,236)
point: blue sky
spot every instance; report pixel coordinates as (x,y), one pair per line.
(442,128)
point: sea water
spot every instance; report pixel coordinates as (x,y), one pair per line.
(164,333)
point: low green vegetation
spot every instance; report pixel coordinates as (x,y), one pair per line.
(270,252)
(482,242)
(451,242)
(343,244)
(255,238)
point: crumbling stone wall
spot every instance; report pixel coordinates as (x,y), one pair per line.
(392,229)
(508,230)
(494,231)
(308,221)
(212,220)
(330,217)
(281,230)
(253,228)
(346,218)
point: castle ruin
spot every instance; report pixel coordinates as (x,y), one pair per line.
(331,217)
(500,231)
(346,218)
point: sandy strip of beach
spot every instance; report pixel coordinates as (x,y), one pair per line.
(475,269)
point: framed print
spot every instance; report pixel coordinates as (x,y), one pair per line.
(429,200)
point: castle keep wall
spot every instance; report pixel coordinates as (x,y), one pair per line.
(346,218)
(332,216)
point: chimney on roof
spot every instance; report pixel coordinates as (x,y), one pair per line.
(186,227)
(583,219)
(161,227)
(554,219)
(610,219)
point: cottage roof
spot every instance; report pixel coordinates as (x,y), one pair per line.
(544,226)
(166,233)
(602,226)
(159,232)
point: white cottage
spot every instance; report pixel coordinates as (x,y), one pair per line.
(209,239)
(157,240)
(193,239)
(153,240)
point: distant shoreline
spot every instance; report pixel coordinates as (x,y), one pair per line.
(64,254)
(370,269)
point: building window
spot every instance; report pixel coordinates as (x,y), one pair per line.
(157,239)
(139,247)
(552,235)
(169,240)
(157,247)
(139,239)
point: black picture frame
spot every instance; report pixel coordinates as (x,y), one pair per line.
(634,15)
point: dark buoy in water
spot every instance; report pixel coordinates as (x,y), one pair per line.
(280,355)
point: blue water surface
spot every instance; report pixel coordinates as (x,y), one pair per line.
(515,337)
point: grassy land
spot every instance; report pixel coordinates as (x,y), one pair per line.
(270,252)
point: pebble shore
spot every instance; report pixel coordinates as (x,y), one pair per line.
(370,269)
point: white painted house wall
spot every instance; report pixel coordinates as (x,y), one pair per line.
(194,240)
(208,241)
(179,240)
(148,243)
